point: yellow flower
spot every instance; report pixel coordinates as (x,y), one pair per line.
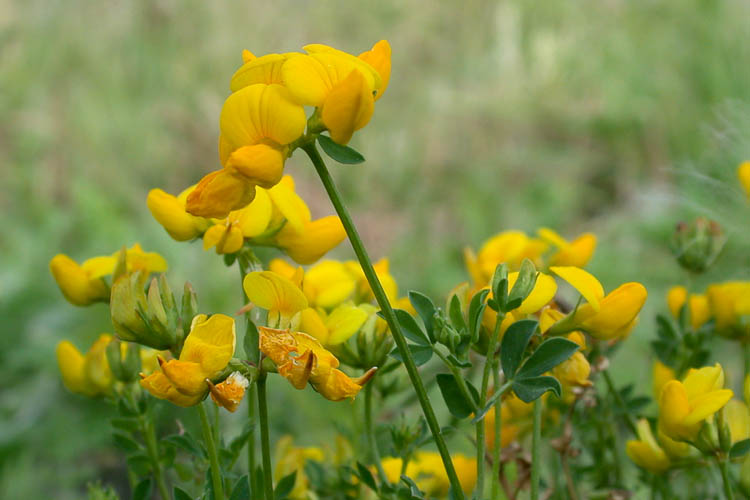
(343,87)
(645,451)
(257,124)
(278,295)
(509,247)
(661,375)
(169,211)
(427,470)
(229,234)
(699,309)
(737,416)
(574,372)
(334,328)
(207,350)
(300,359)
(83,284)
(542,294)
(575,253)
(265,69)
(327,284)
(604,317)
(87,374)
(229,393)
(684,406)
(291,459)
(743,173)
(382,271)
(729,302)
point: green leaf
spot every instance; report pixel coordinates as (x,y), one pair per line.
(186,442)
(364,475)
(342,154)
(421,354)
(456,315)
(125,443)
(740,449)
(459,363)
(453,397)
(524,285)
(514,344)
(125,424)
(241,490)
(548,355)
(180,494)
(285,486)
(476,310)
(250,342)
(487,407)
(500,285)
(142,491)
(425,308)
(411,328)
(530,389)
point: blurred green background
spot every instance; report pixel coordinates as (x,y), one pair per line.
(619,117)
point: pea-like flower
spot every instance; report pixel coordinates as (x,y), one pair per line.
(428,472)
(661,374)
(730,301)
(645,451)
(509,247)
(300,358)
(282,298)
(169,211)
(229,393)
(737,417)
(569,253)
(685,405)
(698,307)
(84,284)
(87,374)
(207,350)
(743,174)
(336,327)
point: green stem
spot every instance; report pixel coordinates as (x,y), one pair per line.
(458,377)
(611,387)
(213,456)
(149,435)
(370,431)
(389,315)
(746,359)
(251,441)
(480,431)
(264,441)
(724,468)
(536,441)
(497,448)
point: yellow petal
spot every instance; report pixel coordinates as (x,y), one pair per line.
(138,260)
(70,362)
(703,380)
(159,386)
(186,376)
(274,293)
(643,455)
(674,407)
(315,240)
(312,324)
(283,268)
(218,193)
(170,212)
(379,57)
(576,253)
(343,322)
(96,367)
(661,375)
(75,283)
(213,235)
(542,293)
(291,206)
(260,164)
(348,107)
(265,69)
(743,173)
(583,281)
(706,405)
(737,416)
(475,270)
(700,310)
(618,311)
(210,343)
(310,78)
(506,247)
(259,112)
(247,56)
(335,385)
(254,218)
(676,298)
(328,284)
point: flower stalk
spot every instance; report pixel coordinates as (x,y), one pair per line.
(213,456)
(388,314)
(536,441)
(264,440)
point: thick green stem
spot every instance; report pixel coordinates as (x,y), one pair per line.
(536,442)
(480,431)
(149,436)
(389,315)
(213,455)
(497,447)
(265,445)
(623,407)
(724,468)
(370,431)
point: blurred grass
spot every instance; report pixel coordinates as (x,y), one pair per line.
(619,117)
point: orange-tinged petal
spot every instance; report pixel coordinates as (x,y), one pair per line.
(295,274)
(260,164)
(348,107)
(335,385)
(315,240)
(186,376)
(583,281)
(170,212)
(218,193)
(259,112)
(159,386)
(229,393)
(379,57)
(210,343)
(297,369)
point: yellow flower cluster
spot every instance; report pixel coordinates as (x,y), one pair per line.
(427,470)
(727,304)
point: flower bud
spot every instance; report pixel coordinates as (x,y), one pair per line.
(124,360)
(697,245)
(189,307)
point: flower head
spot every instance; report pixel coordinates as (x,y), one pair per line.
(574,253)
(698,307)
(87,374)
(427,470)
(645,451)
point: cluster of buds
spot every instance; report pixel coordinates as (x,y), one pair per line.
(696,246)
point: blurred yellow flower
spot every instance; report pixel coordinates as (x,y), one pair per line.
(207,350)
(87,374)
(737,417)
(292,459)
(730,301)
(300,358)
(661,374)
(169,211)
(743,173)
(229,234)
(509,247)
(685,405)
(327,284)
(427,470)
(334,328)
(699,309)
(574,253)
(645,451)
(382,270)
